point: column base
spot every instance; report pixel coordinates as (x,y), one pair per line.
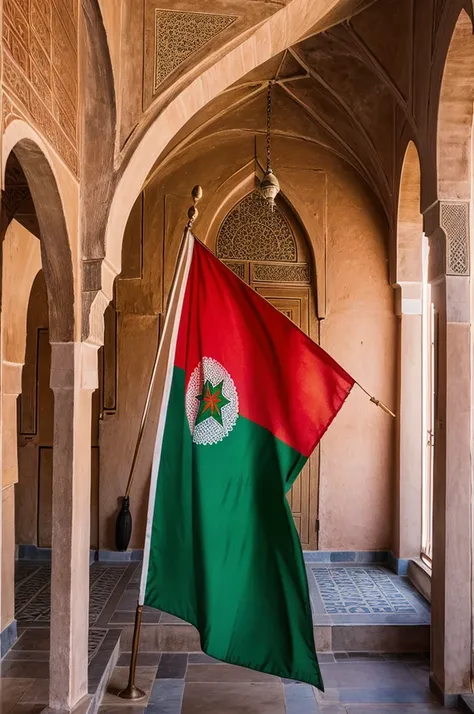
(85,706)
(32,552)
(8,637)
(447,700)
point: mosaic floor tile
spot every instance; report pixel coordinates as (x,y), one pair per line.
(33,590)
(360,590)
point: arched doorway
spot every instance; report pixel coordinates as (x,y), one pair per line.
(267,249)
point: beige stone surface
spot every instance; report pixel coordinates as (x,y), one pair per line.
(8,556)
(225,673)
(11,691)
(233,698)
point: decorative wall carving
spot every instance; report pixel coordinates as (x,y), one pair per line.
(270,272)
(178,35)
(40,68)
(251,231)
(454,219)
(237,268)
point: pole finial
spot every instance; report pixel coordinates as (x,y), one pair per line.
(193,212)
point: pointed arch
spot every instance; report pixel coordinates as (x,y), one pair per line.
(408,264)
(31,153)
(455,115)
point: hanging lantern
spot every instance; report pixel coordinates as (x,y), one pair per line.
(269,186)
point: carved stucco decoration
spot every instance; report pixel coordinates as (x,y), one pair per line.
(237,268)
(455,224)
(273,273)
(40,69)
(178,35)
(251,231)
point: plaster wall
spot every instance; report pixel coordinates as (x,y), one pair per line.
(348,235)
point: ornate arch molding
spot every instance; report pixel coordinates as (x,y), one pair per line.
(56,256)
(308,263)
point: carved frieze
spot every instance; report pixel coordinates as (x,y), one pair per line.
(274,273)
(40,68)
(237,268)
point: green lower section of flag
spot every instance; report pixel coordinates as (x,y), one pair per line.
(225,555)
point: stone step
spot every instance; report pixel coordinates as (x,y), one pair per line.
(181,637)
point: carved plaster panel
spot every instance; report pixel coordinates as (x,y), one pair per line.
(454,219)
(274,273)
(178,35)
(40,68)
(237,268)
(177,39)
(251,231)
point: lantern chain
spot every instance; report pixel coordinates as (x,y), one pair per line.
(269,113)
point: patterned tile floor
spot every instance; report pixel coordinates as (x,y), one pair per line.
(364,594)
(192,683)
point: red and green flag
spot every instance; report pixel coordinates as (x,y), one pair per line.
(246,398)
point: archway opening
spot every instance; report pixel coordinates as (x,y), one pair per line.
(37,308)
(414,502)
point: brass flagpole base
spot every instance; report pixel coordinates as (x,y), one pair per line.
(131,691)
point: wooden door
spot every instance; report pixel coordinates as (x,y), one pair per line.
(295,303)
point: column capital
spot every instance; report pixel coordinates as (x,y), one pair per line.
(409,298)
(11,377)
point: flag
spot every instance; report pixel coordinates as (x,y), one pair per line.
(246,398)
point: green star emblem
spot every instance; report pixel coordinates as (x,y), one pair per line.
(211,402)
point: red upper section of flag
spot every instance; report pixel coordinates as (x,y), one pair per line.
(285,382)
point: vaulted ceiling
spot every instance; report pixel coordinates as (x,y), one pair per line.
(347,89)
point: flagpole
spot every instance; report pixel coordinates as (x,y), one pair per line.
(131,691)
(375,401)
(123,526)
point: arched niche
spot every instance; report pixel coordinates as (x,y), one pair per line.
(263,245)
(407,277)
(410,222)
(54,240)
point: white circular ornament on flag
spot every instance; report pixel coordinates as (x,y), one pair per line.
(212,402)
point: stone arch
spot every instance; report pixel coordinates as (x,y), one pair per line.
(56,257)
(455,115)
(98,119)
(276,34)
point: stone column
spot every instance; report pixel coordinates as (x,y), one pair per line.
(452,491)
(410,422)
(74,377)
(11,383)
